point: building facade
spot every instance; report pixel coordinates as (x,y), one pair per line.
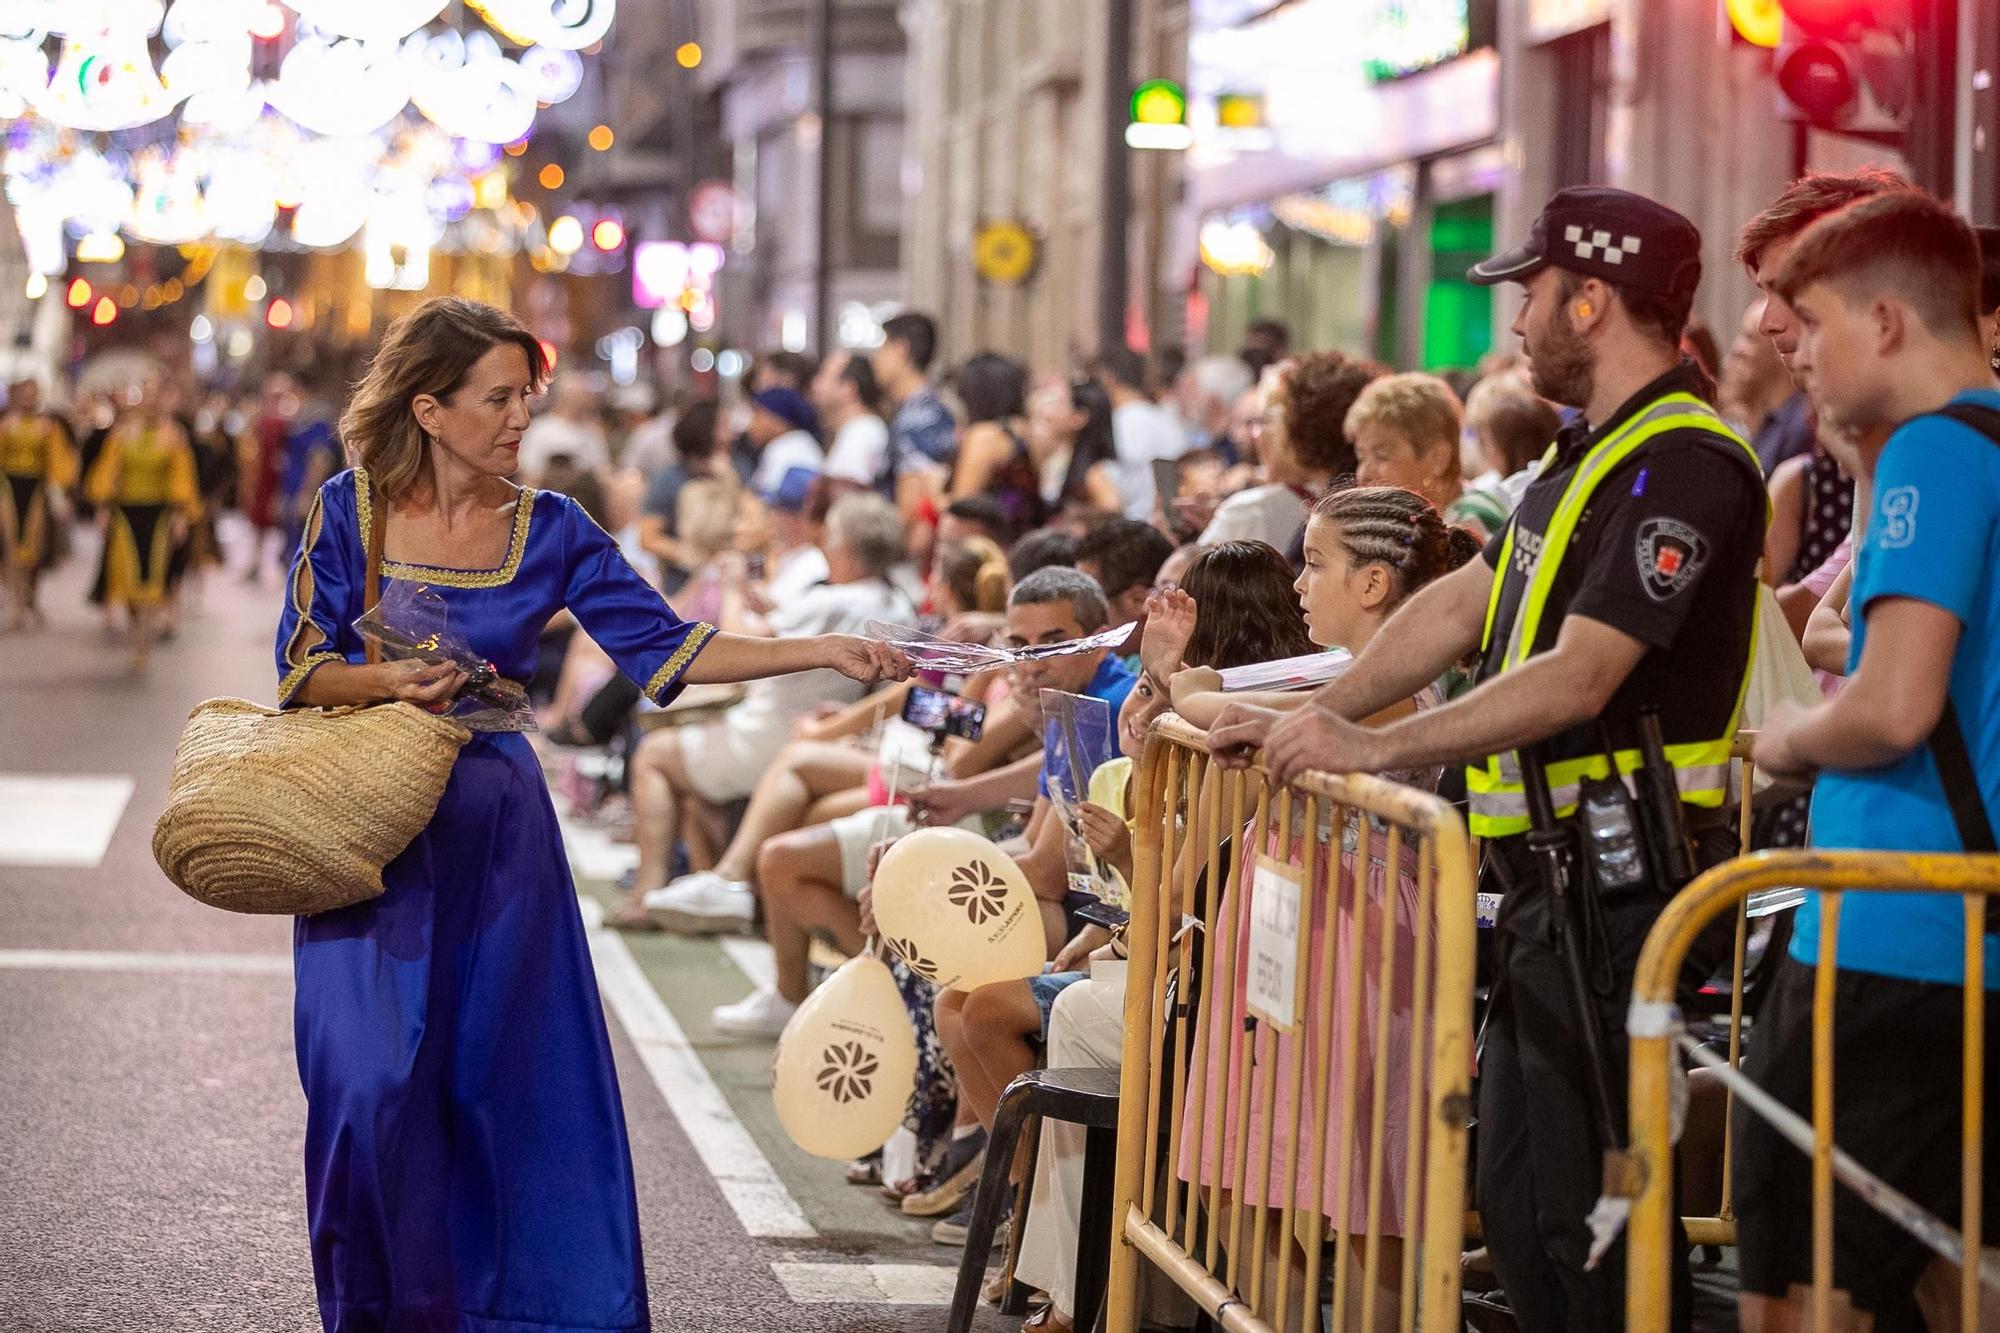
(1008,105)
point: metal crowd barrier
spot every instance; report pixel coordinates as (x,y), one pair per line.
(1655,1052)
(1253,1266)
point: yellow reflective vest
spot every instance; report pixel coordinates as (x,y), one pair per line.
(1499,806)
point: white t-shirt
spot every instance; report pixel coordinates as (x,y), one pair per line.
(859,450)
(1142,431)
(550,436)
(764,716)
(796,572)
(793,449)
(1272,514)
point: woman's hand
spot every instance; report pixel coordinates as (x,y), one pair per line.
(867,660)
(864,903)
(1106,834)
(1075,955)
(419,682)
(1169,625)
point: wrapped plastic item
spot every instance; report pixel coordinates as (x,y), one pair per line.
(413,622)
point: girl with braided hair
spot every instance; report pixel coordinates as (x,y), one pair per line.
(1366,549)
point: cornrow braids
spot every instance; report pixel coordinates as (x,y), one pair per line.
(1387,525)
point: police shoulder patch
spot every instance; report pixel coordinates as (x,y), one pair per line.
(1671,557)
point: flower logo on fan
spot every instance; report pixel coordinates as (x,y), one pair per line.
(914,959)
(847,1071)
(979,891)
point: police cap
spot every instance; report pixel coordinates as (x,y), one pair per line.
(1603,233)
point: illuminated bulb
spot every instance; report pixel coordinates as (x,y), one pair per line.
(607,235)
(279,315)
(200,330)
(79,294)
(100,247)
(37,287)
(565,235)
(105,311)
(688,55)
(601,137)
(269,25)
(128,296)
(516,148)
(254,288)
(551,177)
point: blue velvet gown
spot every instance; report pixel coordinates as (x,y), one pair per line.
(467,1168)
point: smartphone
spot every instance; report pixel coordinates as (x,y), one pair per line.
(944,714)
(1167,481)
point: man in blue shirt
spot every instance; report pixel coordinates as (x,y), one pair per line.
(1885,295)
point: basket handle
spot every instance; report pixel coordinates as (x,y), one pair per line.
(371,587)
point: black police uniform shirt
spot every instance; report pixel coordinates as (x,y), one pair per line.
(1666,551)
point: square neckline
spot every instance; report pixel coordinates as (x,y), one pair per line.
(449,576)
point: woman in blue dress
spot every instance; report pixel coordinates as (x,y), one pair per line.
(467,1168)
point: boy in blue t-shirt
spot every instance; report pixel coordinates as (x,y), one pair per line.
(1885,292)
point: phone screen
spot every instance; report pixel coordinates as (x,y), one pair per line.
(944,714)
(1167,481)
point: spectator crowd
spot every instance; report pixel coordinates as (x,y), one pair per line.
(1230,509)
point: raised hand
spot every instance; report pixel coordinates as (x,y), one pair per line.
(1170,620)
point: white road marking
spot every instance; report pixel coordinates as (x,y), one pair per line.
(594,855)
(741,1171)
(753,958)
(59,821)
(107,960)
(866,1284)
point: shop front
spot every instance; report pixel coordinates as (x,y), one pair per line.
(1344,173)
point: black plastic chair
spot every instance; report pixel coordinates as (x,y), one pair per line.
(1087,1097)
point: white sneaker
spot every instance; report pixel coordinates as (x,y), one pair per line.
(703,904)
(762,1013)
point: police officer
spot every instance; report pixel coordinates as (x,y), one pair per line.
(1626,581)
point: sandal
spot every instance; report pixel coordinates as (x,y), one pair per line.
(1047,1319)
(865,1170)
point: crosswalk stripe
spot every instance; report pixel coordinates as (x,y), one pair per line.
(112,960)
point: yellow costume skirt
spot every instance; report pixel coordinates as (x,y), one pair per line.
(24,521)
(137,552)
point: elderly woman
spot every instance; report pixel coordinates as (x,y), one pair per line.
(466,1159)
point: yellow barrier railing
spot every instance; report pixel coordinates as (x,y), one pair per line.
(1348,901)
(1654,1052)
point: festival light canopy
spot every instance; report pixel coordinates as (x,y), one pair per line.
(349,115)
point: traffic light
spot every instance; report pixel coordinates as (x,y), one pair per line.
(1846,65)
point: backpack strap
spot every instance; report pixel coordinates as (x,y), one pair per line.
(1947,742)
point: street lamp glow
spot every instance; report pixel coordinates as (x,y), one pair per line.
(601,137)
(104,312)
(565,235)
(269,24)
(551,177)
(254,288)
(607,234)
(79,294)
(688,55)
(1167,138)
(279,315)
(37,286)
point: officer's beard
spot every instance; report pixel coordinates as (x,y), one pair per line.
(1562,366)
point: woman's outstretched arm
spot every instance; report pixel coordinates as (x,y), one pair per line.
(727,658)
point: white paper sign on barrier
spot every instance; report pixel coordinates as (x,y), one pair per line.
(1272,980)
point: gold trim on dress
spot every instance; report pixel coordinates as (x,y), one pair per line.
(300,649)
(692,644)
(296,677)
(442,575)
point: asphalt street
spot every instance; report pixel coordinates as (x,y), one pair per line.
(150,1113)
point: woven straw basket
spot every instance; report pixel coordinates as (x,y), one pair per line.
(295,812)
